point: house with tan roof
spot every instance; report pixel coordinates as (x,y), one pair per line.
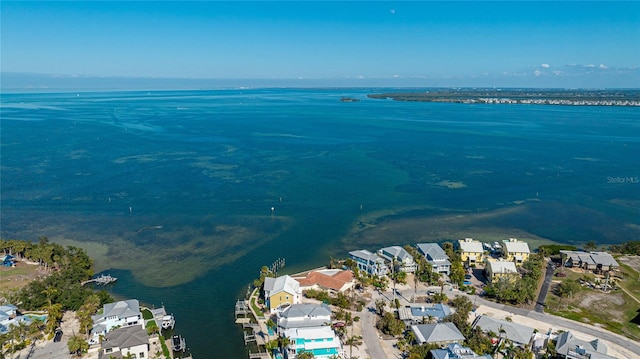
(281,291)
(471,251)
(516,251)
(331,280)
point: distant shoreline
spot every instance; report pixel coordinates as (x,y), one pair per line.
(521,97)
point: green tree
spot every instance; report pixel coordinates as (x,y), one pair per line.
(77,345)
(353,341)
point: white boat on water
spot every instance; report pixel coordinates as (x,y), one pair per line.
(178,344)
(168,322)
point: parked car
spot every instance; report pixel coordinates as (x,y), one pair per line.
(58,336)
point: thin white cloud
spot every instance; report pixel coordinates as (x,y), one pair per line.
(603,66)
(545,66)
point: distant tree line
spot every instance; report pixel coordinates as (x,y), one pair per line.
(631,247)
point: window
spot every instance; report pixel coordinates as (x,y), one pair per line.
(141,354)
(108,350)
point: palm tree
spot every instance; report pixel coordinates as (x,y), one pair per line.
(270,345)
(283,343)
(77,345)
(353,341)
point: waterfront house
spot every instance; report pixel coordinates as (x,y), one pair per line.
(471,251)
(399,257)
(121,342)
(304,316)
(281,291)
(417,314)
(322,342)
(497,269)
(331,280)
(518,334)
(369,262)
(124,313)
(438,333)
(592,261)
(516,251)
(456,351)
(435,255)
(568,346)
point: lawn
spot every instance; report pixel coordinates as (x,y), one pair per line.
(613,311)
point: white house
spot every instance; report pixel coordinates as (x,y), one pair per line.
(120,342)
(435,255)
(304,316)
(369,262)
(124,313)
(400,256)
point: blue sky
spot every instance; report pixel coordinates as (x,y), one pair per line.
(523,44)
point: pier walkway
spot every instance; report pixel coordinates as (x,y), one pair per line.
(103,280)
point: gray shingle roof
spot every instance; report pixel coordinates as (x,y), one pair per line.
(517,333)
(126,337)
(122,309)
(304,316)
(432,251)
(567,342)
(398,252)
(437,333)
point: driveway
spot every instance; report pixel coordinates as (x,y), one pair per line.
(542,297)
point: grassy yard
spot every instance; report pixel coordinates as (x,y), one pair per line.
(613,311)
(14,278)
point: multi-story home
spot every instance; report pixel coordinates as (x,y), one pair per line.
(435,255)
(471,252)
(515,251)
(322,342)
(306,326)
(304,315)
(497,269)
(399,257)
(124,342)
(281,291)
(124,313)
(568,346)
(369,262)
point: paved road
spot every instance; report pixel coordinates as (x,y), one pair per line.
(369,331)
(542,297)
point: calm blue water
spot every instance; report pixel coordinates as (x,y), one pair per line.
(173,191)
